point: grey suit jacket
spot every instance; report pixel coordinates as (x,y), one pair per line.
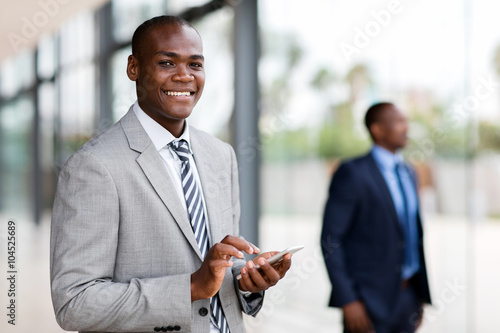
(122,247)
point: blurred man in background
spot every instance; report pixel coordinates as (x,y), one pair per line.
(372,236)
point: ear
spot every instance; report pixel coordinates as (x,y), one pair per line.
(132,68)
(376,131)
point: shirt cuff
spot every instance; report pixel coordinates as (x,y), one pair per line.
(244,293)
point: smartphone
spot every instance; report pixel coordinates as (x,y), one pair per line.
(279,256)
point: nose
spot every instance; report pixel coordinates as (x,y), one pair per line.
(183,74)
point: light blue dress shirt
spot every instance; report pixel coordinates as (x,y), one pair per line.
(387,163)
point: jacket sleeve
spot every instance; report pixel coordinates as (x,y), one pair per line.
(84,242)
(338,218)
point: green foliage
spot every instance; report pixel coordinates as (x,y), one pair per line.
(496,59)
(445,142)
(453,143)
(286,146)
(436,133)
(489,137)
(337,141)
(335,138)
(338,137)
(322,79)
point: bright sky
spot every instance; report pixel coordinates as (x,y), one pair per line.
(420,45)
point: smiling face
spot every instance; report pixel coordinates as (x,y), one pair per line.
(169,74)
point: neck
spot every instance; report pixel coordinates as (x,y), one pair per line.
(176,128)
(393,150)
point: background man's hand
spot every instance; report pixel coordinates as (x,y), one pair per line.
(255,280)
(356,318)
(206,281)
(420,317)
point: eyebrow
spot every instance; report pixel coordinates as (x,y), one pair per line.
(175,55)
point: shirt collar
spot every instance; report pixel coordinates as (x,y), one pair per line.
(385,158)
(160,136)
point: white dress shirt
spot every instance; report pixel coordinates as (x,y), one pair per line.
(161,138)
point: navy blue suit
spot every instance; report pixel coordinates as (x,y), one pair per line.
(363,243)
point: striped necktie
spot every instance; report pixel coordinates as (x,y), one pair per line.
(194,203)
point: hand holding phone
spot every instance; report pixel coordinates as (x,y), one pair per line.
(279,256)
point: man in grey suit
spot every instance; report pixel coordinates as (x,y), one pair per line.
(143,233)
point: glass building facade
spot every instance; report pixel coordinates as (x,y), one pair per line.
(74,85)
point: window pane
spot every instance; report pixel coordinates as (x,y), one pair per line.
(77,107)
(129,14)
(16,176)
(46,105)
(17,73)
(78,39)
(9,83)
(46,56)
(124,94)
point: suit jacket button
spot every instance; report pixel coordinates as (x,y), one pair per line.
(157,329)
(177,328)
(164,329)
(203,312)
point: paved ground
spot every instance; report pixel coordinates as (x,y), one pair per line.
(462,263)
(463,267)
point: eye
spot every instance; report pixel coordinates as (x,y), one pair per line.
(197,65)
(166,63)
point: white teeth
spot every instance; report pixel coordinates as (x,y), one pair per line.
(178,93)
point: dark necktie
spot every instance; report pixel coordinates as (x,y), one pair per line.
(194,204)
(406,217)
(403,193)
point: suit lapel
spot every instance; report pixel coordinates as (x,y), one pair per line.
(152,165)
(206,163)
(384,192)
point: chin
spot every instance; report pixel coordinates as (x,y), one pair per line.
(178,115)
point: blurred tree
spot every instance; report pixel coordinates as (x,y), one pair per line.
(323,79)
(496,60)
(489,137)
(277,141)
(488,132)
(288,145)
(359,81)
(276,91)
(434,130)
(338,137)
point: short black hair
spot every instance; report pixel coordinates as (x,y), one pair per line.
(142,30)
(374,113)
